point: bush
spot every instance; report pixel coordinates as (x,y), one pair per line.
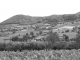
(65,37)
(77,39)
(74,46)
(59,45)
(14,46)
(15,38)
(2,46)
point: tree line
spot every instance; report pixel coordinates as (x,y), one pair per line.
(53,42)
(24,38)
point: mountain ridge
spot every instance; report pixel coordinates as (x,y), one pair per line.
(26,19)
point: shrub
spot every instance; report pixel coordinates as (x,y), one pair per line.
(32,35)
(74,46)
(2,46)
(15,38)
(77,39)
(65,37)
(59,45)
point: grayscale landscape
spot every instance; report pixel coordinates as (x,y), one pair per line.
(54,37)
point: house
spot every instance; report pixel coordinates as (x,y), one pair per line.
(40,38)
(45,31)
(46,24)
(38,25)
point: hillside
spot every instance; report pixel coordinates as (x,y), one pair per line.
(21,19)
(53,19)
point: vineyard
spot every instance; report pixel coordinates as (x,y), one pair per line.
(41,55)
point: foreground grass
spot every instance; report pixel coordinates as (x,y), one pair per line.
(41,55)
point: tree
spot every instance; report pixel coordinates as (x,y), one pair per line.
(14,32)
(27,35)
(78,32)
(32,35)
(53,37)
(65,37)
(75,29)
(24,38)
(15,38)
(77,39)
(40,32)
(67,31)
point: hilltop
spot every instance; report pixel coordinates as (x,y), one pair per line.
(21,19)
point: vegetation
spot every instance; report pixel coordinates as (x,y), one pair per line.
(53,19)
(25,37)
(41,55)
(52,37)
(51,42)
(52,47)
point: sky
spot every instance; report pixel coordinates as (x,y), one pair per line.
(9,8)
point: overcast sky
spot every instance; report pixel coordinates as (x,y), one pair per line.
(10,8)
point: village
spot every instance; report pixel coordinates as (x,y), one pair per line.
(40,30)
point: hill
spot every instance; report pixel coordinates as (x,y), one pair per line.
(53,19)
(21,19)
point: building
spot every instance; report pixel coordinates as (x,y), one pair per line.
(40,38)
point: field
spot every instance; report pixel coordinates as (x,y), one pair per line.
(70,34)
(41,55)
(7,36)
